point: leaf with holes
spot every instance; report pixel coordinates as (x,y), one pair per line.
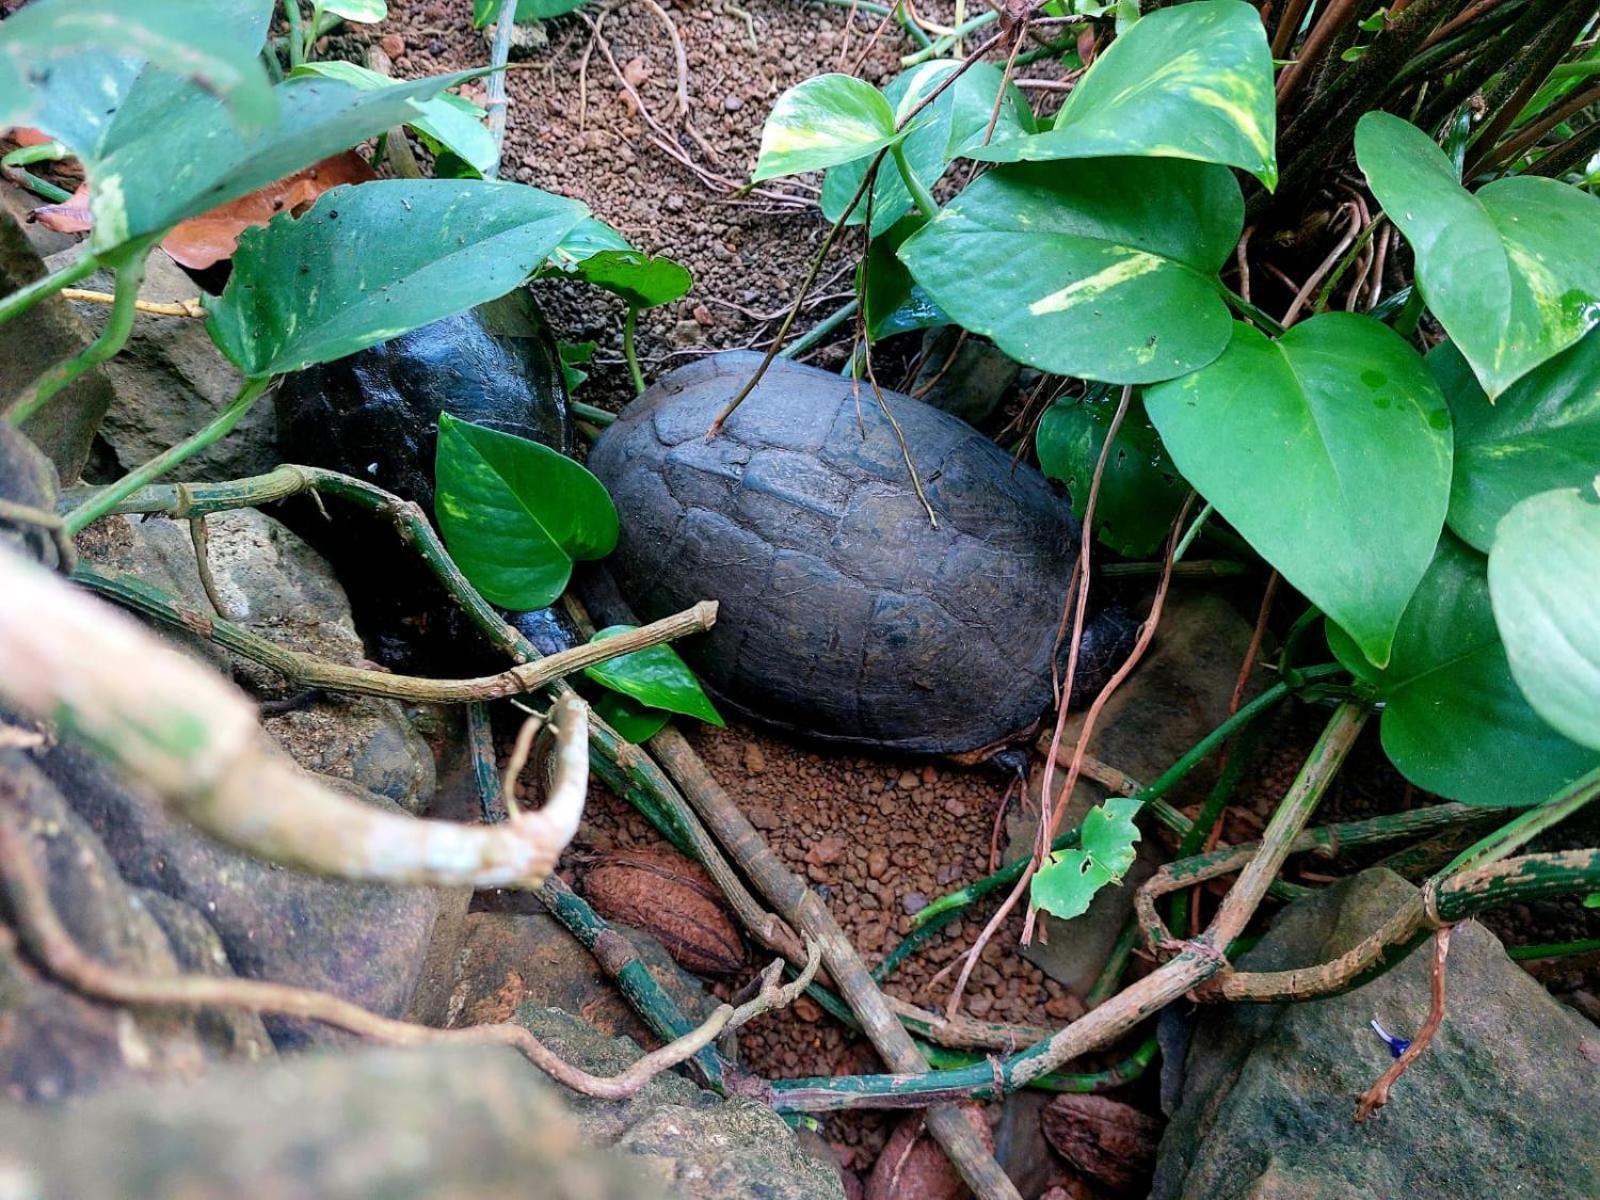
(1188,81)
(185,159)
(1544,582)
(656,677)
(1140,491)
(1512,271)
(1542,433)
(446,122)
(516,515)
(368,263)
(1329,450)
(640,280)
(107,40)
(822,122)
(1454,721)
(955,121)
(1069,879)
(1103,269)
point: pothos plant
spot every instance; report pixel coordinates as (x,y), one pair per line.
(1442,510)
(171,112)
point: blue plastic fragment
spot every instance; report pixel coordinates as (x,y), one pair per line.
(1397,1045)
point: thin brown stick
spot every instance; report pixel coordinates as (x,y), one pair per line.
(154,308)
(48,940)
(1377,1095)
(684,105)
(1324,267)
(1335,18)
(1241,256)
(899,435)
(202,564)
(806,912)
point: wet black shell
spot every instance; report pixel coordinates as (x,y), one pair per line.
(845,615)
(375,413)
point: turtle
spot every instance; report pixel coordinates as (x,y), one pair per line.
(374,414)
(847,615)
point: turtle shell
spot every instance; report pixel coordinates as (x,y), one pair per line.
(845,614)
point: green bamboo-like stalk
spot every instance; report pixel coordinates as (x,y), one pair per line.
(14,304)
(105,500)
(1527,825)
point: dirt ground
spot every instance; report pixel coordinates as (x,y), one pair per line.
(877,837)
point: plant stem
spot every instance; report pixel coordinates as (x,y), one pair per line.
(926,204)
(1553,950)
(495,86)
(591,414)
(14,304)
(820,331)
(629,323)
(1527,825)
(112,338)
(297,47)
(944,44)
(102,502)
(1193,532)
(308,670)
(1268,323)
(1168,780)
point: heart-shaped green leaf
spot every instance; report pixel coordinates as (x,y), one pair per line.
(1512,272)
(1140,491)
(1069,880)
(635,722)
(1329,450)
(656,677)
(516,515)
(589,236)
(187,38)
(1544,580)
(370,262)
(1542,433)
(1103,269)
(956,120)
(822,122)
(1454,721)
(641,280)
(1189,81)
(446,122)
(187,159)
(893,301)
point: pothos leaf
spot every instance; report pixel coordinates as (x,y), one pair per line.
(822,122)
(1069,880)
(634,721)
(656,677)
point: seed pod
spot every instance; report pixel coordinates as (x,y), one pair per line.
(1110,1142)
(665,894)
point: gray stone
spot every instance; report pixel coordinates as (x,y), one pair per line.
(54,1042)
(47,334)
(274,584)
(1500,1103)
(363,941)
(963,375)
(1178,694)
(170,379)
(462,1123)
(703,1147)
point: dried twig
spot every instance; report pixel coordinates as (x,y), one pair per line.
(154,308)
(48,939)
(1376,1096)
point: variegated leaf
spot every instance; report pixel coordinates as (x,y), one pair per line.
(1103,269)
(1512,271)
(825,121)
(1191,81)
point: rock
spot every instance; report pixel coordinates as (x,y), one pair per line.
(703,1147)
(468,1123)
(963,375)
(27,478)
(274,584)
(509,959)
(169,380)
(47,334)
(913,1167)
(362,941)
(1178,694)
(199,951)
(1104,1139)
(1269,1091)
(55,1043)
